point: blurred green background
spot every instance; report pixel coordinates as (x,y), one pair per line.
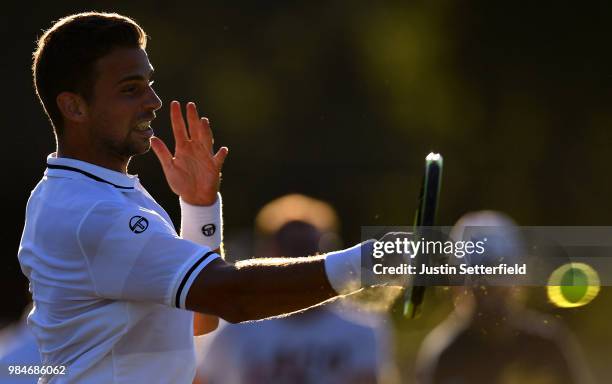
(342,100)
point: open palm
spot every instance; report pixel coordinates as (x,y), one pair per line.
(194,171)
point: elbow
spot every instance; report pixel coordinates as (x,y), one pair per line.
(235,312)
(230,313)
(225,310)
(234,319)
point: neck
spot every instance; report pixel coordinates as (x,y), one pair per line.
(88,154)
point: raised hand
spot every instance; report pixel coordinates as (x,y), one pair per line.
(194,172)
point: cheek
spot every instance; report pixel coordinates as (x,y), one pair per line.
(113,116)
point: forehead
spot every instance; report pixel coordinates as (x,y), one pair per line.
(122,63)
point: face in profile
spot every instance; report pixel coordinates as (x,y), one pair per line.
(123,103)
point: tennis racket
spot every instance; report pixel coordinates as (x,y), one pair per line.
(425,217)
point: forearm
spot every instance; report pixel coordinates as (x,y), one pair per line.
(274,287)
(193,221)
(202,323)
(260,288)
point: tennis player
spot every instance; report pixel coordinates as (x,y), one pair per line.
(114,285)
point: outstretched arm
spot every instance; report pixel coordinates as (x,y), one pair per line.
(260,288)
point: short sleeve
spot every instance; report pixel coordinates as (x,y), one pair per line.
(133,253)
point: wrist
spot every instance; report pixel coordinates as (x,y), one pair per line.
(343,269)
(202,224)
(200,201)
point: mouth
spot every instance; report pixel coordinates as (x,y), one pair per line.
(143,126)
(144,129)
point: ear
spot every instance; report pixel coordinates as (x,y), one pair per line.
(72,106)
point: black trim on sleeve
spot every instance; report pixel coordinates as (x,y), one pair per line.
(177,301)
(96,178)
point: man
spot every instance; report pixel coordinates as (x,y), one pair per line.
(112,282)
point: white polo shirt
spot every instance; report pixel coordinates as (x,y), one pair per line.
(109,276)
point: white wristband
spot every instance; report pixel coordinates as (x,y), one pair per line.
(202,224)
(343,269)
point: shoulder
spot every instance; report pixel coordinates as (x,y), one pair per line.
(74,184)
(72,195)
(58,206)
(79,199)
(105,216)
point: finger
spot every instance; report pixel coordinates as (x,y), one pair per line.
(161,151)
(206,134)
(178,124)
(220,156)
(193,121)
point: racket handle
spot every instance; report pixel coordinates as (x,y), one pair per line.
(413,297)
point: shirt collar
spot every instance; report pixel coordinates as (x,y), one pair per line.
(67,167)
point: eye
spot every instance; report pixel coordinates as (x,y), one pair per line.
(129,89)
(136,88)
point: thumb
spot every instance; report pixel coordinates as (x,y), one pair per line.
(161,151)
(220,156)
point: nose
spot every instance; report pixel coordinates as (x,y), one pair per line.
(153,101)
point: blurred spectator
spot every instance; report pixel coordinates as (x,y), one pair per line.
(320,345)
(490,337)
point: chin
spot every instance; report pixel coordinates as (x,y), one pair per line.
(144,149)
(137,148)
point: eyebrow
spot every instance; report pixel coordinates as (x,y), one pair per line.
(135,77)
